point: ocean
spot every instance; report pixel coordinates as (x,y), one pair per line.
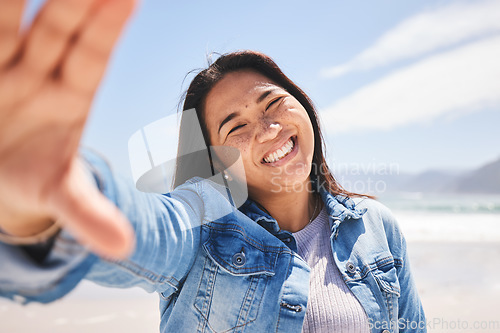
(442,203)
(446,218)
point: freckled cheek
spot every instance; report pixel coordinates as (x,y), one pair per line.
(242,143)
(292,113)
(299,116)
(285,116)
(298,121)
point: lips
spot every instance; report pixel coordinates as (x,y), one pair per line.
(281,152)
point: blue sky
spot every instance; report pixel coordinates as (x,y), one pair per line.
(412,83)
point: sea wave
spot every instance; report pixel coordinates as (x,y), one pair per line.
(449,227)
(443,203)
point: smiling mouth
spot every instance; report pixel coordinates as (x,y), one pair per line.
(281,152)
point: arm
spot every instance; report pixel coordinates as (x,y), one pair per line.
(411,317)
(411,312)
(48,76)
(167,230)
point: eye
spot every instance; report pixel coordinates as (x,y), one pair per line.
(236,128)
(273,102)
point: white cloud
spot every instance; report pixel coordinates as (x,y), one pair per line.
(465,79)
(426,32)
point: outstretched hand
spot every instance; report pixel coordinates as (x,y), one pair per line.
(48,77)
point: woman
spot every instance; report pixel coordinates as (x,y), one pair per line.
(283,261)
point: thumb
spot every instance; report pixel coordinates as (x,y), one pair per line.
(91,217)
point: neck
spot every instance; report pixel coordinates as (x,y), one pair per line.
(292,210)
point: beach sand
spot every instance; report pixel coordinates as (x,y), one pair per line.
(459,284)
(89,308)
(458,278)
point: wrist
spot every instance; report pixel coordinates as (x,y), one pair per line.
(23,224)
(32,238)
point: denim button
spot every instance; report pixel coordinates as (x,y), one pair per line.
(386,331)
(287,240)
(351,268)
(239,259)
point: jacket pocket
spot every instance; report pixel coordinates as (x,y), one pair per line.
(235,274)
(386,276)
(387,280)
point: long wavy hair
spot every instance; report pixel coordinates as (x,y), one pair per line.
(206,79)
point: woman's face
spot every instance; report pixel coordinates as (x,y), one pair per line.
(269,127)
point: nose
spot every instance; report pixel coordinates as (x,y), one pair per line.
(269,131)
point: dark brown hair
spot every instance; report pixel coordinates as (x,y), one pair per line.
(205,80)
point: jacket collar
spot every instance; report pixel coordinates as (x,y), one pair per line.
(339,208)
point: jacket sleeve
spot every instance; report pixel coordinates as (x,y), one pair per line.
(411,317)
(411,313)
(167,229)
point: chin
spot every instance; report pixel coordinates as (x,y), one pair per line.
(289,183)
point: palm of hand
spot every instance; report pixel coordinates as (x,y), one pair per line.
(47,81)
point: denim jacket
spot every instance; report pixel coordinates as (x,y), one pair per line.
(220,269)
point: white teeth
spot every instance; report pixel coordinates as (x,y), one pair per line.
(280,153)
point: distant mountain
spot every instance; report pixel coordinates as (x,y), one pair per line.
(429,181)
(485,179)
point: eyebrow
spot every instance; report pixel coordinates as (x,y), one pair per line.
(235,114)
(264,95)
(227,119)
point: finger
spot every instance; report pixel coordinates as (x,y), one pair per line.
(87,60)
(93,219)
(11,12)
(52,30)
